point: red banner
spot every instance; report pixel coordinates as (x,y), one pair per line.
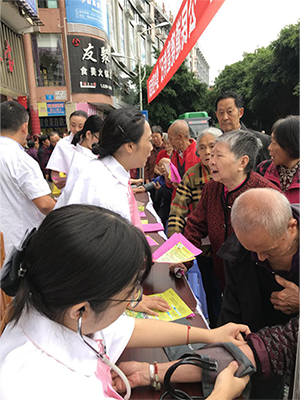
(191,21)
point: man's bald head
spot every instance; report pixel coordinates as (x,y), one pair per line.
(178,134)
(261,208)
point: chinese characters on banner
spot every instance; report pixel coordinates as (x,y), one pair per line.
(7,57)
(90,65)
(88,12)
(191,21)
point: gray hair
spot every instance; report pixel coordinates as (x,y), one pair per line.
(259,208)
(165,136)
(213,131)
(242,143)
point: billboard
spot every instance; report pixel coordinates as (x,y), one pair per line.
(88,12)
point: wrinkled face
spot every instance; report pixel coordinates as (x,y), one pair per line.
(54,139)
(223,165)
(76,124)
(143,147)
(279,156)
(168,146)
(174,139)
(228,115)
(264,245)
(205,147)
(157,139)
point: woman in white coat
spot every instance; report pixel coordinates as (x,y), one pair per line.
(66,328)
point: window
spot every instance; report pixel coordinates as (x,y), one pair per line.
(47,3)
(48,59)
(122,33)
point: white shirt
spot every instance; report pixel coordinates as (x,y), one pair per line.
(81,157)
(21,182)
(62,155)
(101,183)
(43,360)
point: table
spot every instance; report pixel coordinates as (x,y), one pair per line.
(159,280)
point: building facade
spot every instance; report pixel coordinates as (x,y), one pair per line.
(58,56)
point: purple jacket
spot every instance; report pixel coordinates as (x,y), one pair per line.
(275,348)
(33,153)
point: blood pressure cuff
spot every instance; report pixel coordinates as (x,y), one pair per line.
(224,354)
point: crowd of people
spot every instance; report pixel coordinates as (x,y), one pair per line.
(82,265)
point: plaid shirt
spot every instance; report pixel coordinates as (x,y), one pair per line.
(187,195)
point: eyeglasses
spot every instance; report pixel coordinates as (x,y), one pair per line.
(95,136)
(135,299)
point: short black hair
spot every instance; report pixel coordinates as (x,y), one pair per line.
(13,116)
(30,144)
(230,95)
(121,126)
(286,134)
(43,138)
(80,253)
(79,113)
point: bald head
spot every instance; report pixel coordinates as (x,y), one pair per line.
(178,134)
(261,208)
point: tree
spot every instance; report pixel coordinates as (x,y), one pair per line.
(183,93)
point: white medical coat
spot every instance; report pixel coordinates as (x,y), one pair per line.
(21,182)
(62,155)
(43,360)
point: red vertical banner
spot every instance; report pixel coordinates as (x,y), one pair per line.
(191,21)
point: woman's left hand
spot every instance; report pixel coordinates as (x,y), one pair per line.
(148,304)
(230,333)
(137,373)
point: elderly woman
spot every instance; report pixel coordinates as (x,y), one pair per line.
(231,164)
(283,168)
(190,188)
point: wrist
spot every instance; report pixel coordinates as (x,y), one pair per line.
(153,374)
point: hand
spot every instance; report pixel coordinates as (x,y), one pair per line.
(229,333)
(136,181)
(286,300)
(61,183)
(148,304)
(137,373)
(178,265)
(227,386)
(139,189)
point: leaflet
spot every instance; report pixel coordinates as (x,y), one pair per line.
(178,308)
(176,249)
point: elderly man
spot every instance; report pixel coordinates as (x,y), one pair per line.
(24,197)
(229,110)
(184,155)
(262,265)
(54,139)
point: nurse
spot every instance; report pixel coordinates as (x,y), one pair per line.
(61,157)
(124,143)
(66,328)
(83,142)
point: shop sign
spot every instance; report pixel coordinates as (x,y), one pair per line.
(53,122)
(60,95)
(90,65)
(88,12)
(191,21)
(7,56)
(22,100)
(49,96)
(46,109)
(88,108)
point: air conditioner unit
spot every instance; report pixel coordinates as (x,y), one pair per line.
(139,6)
(129,14)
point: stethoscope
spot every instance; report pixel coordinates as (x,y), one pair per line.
(103,358)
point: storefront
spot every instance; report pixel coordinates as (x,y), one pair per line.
(13,84)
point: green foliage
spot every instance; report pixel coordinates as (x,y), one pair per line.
(183,93)
(268,80)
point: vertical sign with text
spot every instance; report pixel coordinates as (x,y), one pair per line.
(191,21)
(90,65)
